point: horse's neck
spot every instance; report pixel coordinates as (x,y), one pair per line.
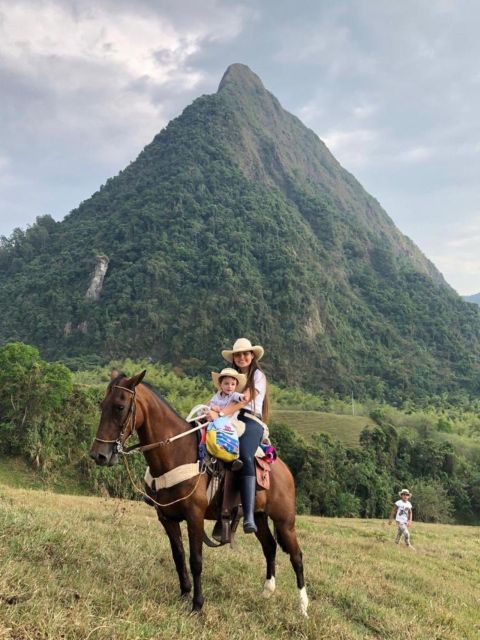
(160,424)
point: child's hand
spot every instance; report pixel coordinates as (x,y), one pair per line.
(246,395)
(215,407)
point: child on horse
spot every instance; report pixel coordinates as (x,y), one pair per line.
(230,384)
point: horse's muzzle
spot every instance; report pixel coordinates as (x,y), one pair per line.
(104,456)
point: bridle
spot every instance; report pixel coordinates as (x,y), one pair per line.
(124,435)
(130,418)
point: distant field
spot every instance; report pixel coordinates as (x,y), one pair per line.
(100,569)
(308,423)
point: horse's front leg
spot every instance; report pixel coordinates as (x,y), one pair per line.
(174,534)
(195,524)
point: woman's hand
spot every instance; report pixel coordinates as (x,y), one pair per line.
(211,415)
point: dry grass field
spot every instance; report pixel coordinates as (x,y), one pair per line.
(90,568)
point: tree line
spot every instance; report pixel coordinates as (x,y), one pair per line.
(49,415)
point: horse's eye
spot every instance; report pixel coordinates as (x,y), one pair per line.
(118,408)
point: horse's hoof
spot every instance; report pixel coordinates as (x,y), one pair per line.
(196,610)
(303,602)
(268,587)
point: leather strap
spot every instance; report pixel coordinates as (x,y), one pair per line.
(172,477)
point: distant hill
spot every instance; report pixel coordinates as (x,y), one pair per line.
(474,298)
(237,220)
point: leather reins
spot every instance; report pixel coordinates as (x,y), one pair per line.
(131,416)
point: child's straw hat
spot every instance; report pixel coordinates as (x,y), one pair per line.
(231,373)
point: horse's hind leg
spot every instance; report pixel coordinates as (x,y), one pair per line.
(269,547)
(287,539)
(174,534)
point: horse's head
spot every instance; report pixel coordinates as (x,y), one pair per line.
(118,419)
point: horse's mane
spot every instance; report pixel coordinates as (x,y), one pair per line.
(157,393)
(149,386)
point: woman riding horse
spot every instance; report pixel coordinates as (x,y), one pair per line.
(245,359)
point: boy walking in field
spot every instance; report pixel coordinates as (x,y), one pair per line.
(402,510)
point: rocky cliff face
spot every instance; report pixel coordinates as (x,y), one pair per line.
(95,288)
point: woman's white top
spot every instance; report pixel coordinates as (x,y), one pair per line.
(260,382)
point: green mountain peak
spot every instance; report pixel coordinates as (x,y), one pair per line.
(238,221)
(240,78)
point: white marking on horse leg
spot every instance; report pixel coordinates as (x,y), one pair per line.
(303,601)
(268,587)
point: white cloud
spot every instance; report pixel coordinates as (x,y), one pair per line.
(352,148)
(415,154)
(32,35)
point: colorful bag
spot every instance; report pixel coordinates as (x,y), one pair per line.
(222,440)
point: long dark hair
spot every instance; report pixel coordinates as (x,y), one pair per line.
(251,384)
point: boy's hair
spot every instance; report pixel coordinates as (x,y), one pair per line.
(227,376)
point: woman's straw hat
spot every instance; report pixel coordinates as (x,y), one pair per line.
(404,491)
(242,344)
(231,373)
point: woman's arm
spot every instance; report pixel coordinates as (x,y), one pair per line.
(228,411)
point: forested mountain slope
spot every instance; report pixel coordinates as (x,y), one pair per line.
(237,220)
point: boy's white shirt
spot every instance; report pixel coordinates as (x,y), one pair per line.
(403,511)
(222,400)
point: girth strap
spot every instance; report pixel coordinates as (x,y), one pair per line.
(172,477)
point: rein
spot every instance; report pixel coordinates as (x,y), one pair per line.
(120,441)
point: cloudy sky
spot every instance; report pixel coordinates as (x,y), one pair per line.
(392,87)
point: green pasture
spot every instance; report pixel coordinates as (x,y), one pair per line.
(309,423)
(91,568)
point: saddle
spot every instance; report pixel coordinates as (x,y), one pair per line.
(227,498)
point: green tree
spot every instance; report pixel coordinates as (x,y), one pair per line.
(32,390)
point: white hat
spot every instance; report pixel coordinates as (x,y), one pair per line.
(403,491)
(243,344)
(231,373)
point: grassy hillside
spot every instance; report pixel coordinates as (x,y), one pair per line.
(77,567)
(309,423)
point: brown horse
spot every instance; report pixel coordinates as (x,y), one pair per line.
(130,406)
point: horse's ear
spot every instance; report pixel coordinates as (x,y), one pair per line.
(114,373)
(132,383)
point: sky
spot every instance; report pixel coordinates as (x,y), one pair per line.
(391,86)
